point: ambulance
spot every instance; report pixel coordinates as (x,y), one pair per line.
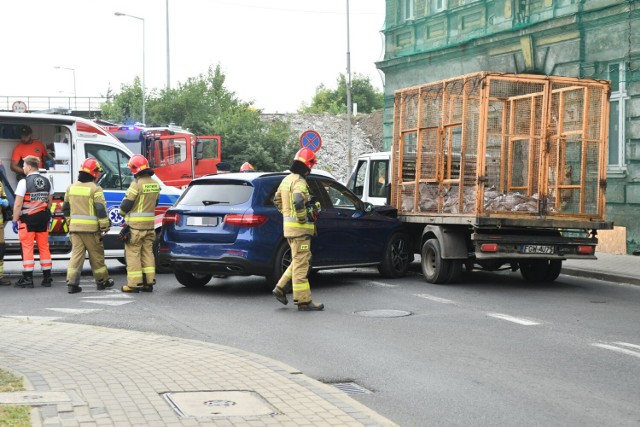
(69,140)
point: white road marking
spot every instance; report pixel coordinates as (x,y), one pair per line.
(118,295)
(111,303)
(380,284)
(434,298)
(518,320)
(620,349)
(35,318)
(626,344)
(75,310)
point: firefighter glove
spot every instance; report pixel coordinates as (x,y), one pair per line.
(125,233)
(313,208)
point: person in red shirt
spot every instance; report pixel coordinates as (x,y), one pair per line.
(27,147)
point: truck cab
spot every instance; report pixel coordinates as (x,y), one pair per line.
(176,155)
(370,178)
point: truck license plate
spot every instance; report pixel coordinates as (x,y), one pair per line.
(206,221)
(537,249)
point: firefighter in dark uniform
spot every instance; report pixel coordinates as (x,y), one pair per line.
(138,208)
(4,210)
(85,210)
(31,221)
(293,200)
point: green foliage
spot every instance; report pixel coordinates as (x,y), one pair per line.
(203,105)
(334,101)
(13,416)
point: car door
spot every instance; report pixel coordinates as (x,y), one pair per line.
(344,229)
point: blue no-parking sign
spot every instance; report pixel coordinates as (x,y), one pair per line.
(311,139)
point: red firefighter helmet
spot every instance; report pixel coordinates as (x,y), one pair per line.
(247,167)
(138,163)
(91,166)
(307,157)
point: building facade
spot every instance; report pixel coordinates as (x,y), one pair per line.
(430,40)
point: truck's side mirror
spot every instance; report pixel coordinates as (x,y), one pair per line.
(199,150)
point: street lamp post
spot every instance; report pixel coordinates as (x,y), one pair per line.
(168,58)
(143,61)
(349,162)
(75,96)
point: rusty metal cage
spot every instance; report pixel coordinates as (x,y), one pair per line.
(502,145)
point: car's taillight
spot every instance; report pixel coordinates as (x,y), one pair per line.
(585,250)
(489,247)
(170,218)
(246,220)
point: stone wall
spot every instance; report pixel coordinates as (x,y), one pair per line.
(366,137)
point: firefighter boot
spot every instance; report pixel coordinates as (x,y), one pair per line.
(47,280)
(4,281)
(130,289)
(147,287)
(73,289)
(26,281)
(310,306)
(104,284)
(280,295)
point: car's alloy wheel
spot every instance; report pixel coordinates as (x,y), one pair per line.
(281,262)
(397,256)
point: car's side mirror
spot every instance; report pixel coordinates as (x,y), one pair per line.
(368,207)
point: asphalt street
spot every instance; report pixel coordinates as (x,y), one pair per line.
(491,350)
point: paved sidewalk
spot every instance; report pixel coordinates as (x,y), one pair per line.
(93,376)
(615,268)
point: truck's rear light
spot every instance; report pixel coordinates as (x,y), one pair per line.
(245,220)
(489,247)
(170,218)
(585,250)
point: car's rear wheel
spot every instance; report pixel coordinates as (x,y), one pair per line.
(281,262)
(192,280)
(397,256)
(156,252)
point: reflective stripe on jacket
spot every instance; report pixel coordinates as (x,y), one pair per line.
(36,198)
(290,199)
(144,193)
(85,208)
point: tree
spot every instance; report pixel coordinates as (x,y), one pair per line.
(334,101)
(203,105)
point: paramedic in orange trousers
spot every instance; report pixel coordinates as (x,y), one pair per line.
(31,216)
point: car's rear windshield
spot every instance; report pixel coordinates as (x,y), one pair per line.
(218,192)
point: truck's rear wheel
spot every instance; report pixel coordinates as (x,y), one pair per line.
(434,268)
(540,270)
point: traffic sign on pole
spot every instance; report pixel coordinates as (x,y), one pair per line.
(311,139)
(19,107)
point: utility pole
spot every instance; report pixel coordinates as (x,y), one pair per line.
(349,161)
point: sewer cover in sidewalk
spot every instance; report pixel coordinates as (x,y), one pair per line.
(33,398)
(383,313)
(225,403)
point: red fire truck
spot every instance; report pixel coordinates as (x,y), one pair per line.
(176,155)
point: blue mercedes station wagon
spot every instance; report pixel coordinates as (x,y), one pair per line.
(228,225)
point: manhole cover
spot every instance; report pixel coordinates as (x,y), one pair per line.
(228,403)
(383,313)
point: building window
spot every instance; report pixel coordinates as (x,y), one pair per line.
(439,5)
(616,74)
(407,9)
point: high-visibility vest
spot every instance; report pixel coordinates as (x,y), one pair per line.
(36,199)
(294,218)
(85,199)
(144,193)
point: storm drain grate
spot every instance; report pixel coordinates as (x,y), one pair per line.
(351,388)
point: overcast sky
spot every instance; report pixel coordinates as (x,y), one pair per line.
(273,52)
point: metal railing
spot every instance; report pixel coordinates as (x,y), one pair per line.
(48,103)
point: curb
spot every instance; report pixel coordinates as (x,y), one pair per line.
(601,275)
